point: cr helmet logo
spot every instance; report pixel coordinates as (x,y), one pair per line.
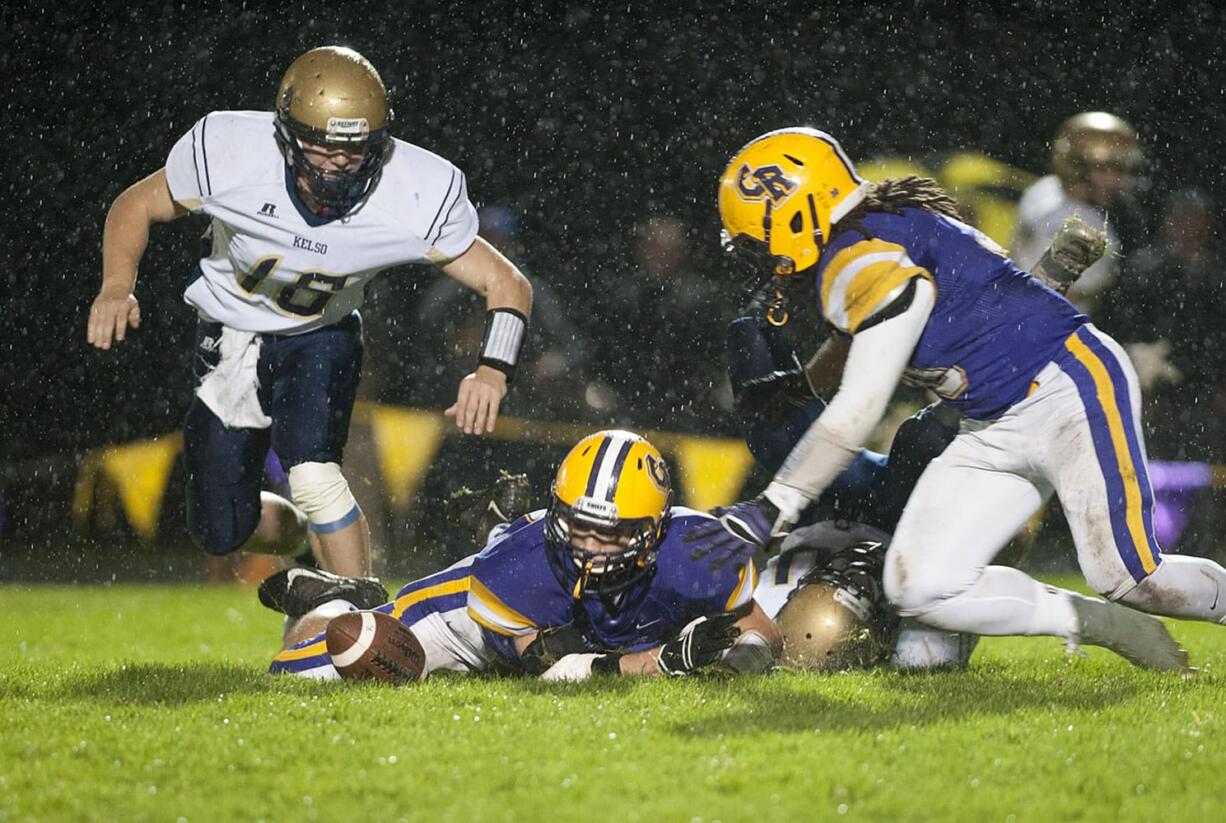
(658,472)
(764,183)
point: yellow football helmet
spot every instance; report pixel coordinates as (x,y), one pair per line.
(783,191)
(1094,139)
(332,96)
(616,484)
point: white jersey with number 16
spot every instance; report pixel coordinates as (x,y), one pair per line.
(276,267)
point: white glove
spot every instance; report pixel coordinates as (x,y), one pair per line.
(571,669)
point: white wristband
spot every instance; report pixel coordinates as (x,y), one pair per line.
(504,337)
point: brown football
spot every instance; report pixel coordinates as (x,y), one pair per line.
(375,646)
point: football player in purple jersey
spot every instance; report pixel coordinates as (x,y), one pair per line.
(600,581)
(1048,403)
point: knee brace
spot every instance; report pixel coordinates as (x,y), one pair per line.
(320,490)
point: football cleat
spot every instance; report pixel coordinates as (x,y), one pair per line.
(294,592)
(1140,638)
(482,509)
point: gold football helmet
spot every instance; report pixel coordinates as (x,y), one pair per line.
(783,191)
(616,484)
(333,97)
(837,617)
(1093,140)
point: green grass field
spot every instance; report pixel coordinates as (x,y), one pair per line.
(149,702)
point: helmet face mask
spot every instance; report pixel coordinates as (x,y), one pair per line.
(605,573)
(613,486)
(753,256)
(332,98)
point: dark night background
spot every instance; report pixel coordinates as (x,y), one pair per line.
(583,121)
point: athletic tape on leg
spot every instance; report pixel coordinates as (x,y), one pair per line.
(322,492)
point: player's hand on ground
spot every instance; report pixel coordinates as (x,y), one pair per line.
(573,668)
(476,407)
(699,644)
(738,531)
(550,646)
(110,317)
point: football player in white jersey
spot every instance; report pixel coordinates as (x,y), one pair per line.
(306,204)
(1095,160)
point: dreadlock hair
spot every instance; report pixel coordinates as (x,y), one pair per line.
(898,193)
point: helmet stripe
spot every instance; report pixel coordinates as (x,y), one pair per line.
(607,466)
(594,475)
(618,464)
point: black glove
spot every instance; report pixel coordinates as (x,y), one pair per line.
(774,395)
(767,377)
(739,531)
(551,645)
(699,644)
(482,509)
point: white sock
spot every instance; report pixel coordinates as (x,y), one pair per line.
(325,611)
(1189,587)
(333,608)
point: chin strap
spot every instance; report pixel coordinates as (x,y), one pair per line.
(777,312)
(581,583)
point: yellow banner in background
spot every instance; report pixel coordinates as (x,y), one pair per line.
(987,190)
(132,477)
(712,470)
(406,441)
(139,471)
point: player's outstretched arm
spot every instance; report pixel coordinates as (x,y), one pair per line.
(124,239)
(699,644)
(508,304)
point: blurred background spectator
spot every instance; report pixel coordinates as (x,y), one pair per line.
(1095,160)
(663,333)
(444,317)
(1168,309)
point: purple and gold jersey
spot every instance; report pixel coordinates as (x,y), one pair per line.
(514,591)
(468,615)
(993,326)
